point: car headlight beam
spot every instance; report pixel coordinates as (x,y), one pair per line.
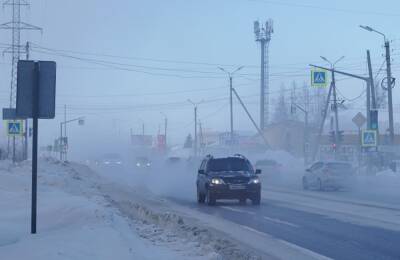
(254,181)
(217,181)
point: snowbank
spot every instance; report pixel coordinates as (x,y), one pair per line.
(74,221)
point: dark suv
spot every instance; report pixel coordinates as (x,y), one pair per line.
(228,178)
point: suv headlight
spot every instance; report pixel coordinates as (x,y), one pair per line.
(217,181)
(254,181)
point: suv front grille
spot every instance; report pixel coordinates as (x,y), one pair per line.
(236,180)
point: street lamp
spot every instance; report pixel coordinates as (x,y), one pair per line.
(230,74)
(373,30)
(390,81)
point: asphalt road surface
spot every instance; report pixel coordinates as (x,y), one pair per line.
(317,233)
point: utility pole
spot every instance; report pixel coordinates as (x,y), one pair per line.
(195,131)
(201,138)
(389,89)
(165,127)
(371,81)
(65,131)
(230,74)
(260,132)
(389,80)
(231,108)
(195,125)
(335,106)
(263,35)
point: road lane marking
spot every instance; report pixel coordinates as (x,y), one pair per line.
(303,250)
(306,251)
(278,221)
(238,210)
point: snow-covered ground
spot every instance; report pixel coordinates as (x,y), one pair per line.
(76,222)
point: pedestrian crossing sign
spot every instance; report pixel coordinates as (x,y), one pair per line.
(369,138)
(14,127)
(319,78)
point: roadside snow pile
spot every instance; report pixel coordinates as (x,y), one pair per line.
(74,220)
(150,210)
(388,174)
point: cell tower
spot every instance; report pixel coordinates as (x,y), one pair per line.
(16,48)
(263,35)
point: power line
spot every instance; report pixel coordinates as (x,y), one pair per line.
(325,8)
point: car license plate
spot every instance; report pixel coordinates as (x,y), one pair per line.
(237,187)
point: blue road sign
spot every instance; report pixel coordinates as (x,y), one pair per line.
(319,78)
(14,128)
(369,138)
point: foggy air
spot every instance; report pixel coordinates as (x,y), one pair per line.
(247,129)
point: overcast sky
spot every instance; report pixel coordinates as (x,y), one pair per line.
(159,53)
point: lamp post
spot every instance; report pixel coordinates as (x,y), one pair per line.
(389,80)
(230,75)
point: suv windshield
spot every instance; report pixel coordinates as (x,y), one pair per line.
(228,164)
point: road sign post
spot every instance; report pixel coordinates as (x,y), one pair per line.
(36,85)
(359,120)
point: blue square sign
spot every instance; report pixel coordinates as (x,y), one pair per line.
(14,128)
(319,78)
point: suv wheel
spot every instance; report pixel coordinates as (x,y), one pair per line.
(201,198)
(256,199)
(210,199)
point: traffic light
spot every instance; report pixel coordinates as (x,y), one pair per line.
(373,115)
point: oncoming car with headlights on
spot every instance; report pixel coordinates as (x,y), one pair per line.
(228,178)
(142,162)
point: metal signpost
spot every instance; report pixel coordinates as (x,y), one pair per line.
(36,98)
(359,120)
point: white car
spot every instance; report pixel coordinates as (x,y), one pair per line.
(328,174)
